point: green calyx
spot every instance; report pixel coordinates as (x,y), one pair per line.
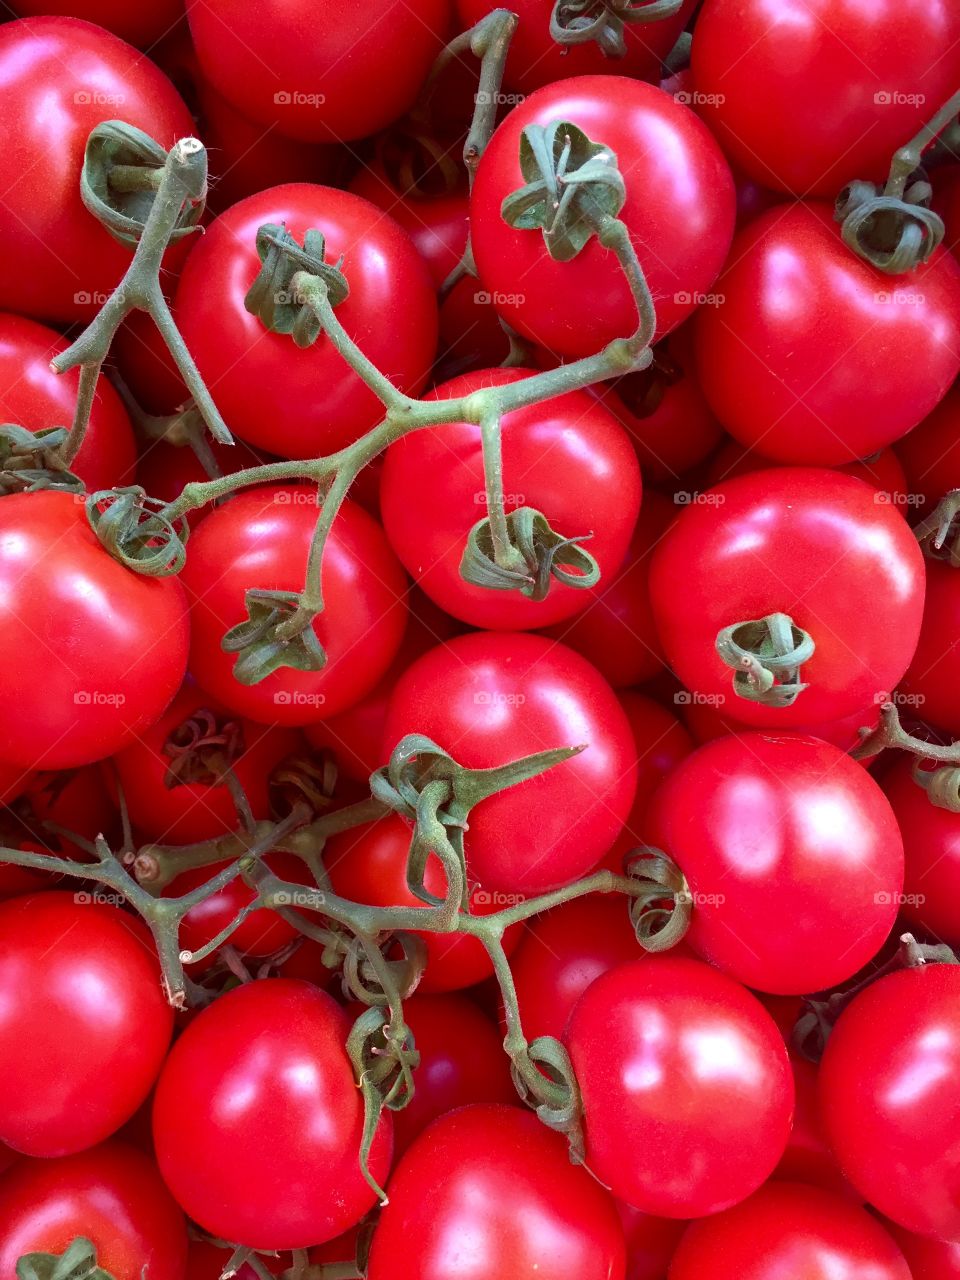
(542,554)
(893,233)
(383,1056)
(572,186)
(661,913)
(566,1117)
(941,785)
(133,529)
(603,21)
(77,1262)
(260,649)
(31,460)
(272,297)
(201,749)
(939,532)
(766,655)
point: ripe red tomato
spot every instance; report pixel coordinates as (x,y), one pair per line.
(259,1092)
(890,1097)
(841,87)
(491,698)
(261,538)
(112,1195)
(65,263)
(646,1040)
(113,643)
(798,389)
(788,1229)
(931,846)
(931,683)
(567,458)
(927,1259)
(809,543)
(882,470)
(680,211)
(504,1201)
(75,973)
(931,454)
(651,1242)
(141,24)
(293,402)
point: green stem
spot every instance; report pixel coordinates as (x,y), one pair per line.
(908,157)
(505,553)
(86,394)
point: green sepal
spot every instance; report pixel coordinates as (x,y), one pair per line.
(383,1067)
(255,641)
(30,460)
(603,21)
(140,538)
(546,554)
(77,1262)
(893,234)
(272,298)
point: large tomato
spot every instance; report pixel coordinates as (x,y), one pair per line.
(112,644)
(493,697)
(294,402)
(931,846)
(680,211)
(812,355)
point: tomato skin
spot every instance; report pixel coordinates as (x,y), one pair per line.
(842,87)
(105,678)
(504,1201)
(930,454)
(56,947)
(75,73)
(566,457)
(808,1157)
(302,403)
(640,1039)
(883,470)
(931,843)
(927,1259)
(112,1195)
(930,683)
(684,214)
(494,697)
(788,1229)
(471,336)
(140,25)
(891,1102)
(231,1112)
(261,538)
(651,1242)
(791,327)
(856,584)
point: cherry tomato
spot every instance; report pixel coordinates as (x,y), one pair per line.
(882,470)
(930,684)
(927,1259)
(492,698)
(931,454)
(931,846)
(645,1040)
(680,211)
(141,24)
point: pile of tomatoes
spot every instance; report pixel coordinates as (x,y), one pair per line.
(777,1093)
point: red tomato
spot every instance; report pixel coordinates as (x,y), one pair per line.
(75,973)
(491,698)
(931,454)
(882,470)
(293,402)
(890,1097)
(809,543)
(808,1157)
(705,722)
(504,1201)
(651,1242)
(8,1158)
(567,458)
(812,355)
(258,1091)
(680,211)
(646,1040)
(927,1259)
(77,800)
(471,336)
(63,264)
(931,683)
(113,643)
(787,1229)
(841,86)
(141,24)
(261,538)
(931,846)
(112,1195)
(369,864)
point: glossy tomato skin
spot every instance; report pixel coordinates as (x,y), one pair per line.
(890,1097)
(930,454)
(141,24)
(788,1229)
(855,583)
(842,86)
(70,71)
(931,683)
(112,1195)
(57,948)
(785,360)
(882,470)
(567,458)
(293,402)
(504,1201)
(261,538)
(931,845)
(113,643)
(644,1040)
(491,698)
(685,216)
(231,1111)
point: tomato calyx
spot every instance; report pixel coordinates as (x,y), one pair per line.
(894,234)
(382,1052)
(939,532)
(660,912)
(766,655)
(541,554)
(202,749)
(263,643)
(303,779)
(32,460)
(77,1262)
(274,297)
(575,22)
(135,531)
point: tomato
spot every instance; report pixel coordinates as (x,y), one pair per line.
(680,211)
(930,684)
(75,973)
(63,264)
(841,86)
(812,544)
(882,470)
(706,722)
(567,458)
(787,1229)
(261,538)
(931,845)
(811,355)
(931,454)
(792,854)
(504,1200)
(808,1157)
(111,1195)
(293,402)
(141,25)
(651,1242)
(258,1091)
(369,864)
(271,62)
(890,1097)
(162,806)
(491,698)
(112,642)
(928,1259)
(8,1158)
(645,1040)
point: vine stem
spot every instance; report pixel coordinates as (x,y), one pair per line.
(908,157)
(505,553)
(890,733)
